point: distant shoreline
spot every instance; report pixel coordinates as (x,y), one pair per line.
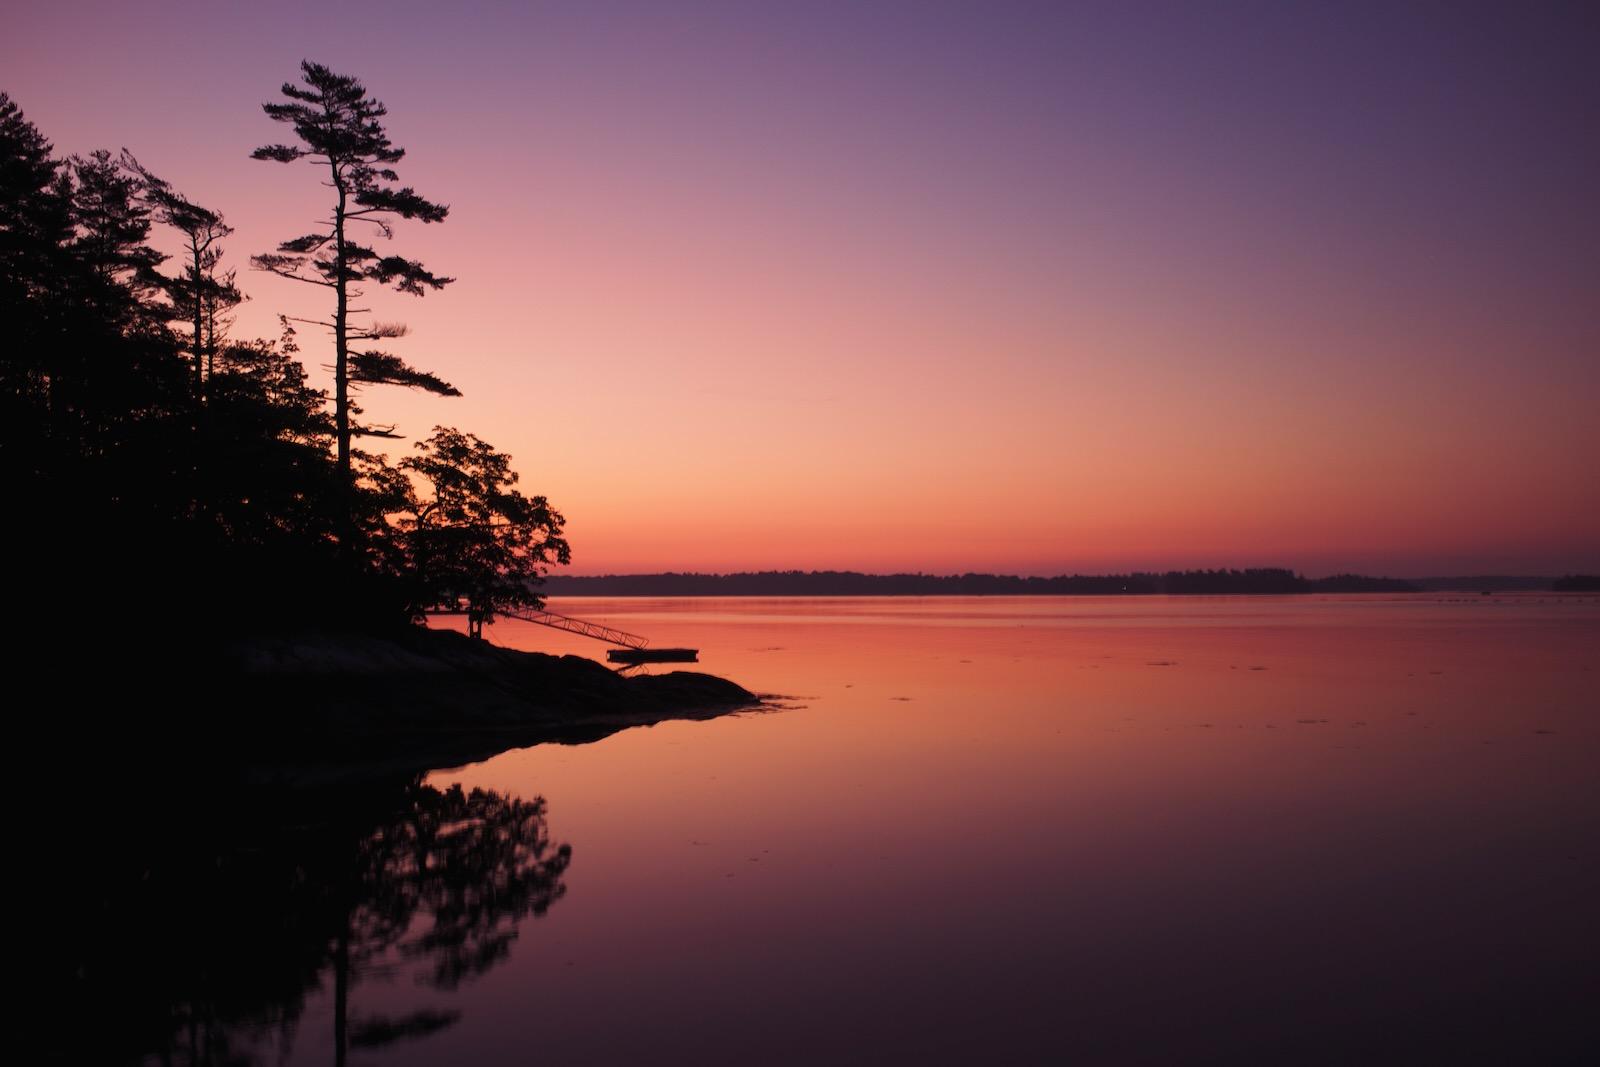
(1266,581)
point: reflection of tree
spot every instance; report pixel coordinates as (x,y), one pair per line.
(465,868)
(199,934)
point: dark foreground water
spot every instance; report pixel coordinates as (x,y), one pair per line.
(1142,830)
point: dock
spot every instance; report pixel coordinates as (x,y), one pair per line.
(636,656)
(633,649)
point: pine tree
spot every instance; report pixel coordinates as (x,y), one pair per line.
(340,128)
(112,221)
(113,369)
(198,295)
(34,218)
(35,226)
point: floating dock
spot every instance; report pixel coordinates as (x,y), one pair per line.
(635,656)
(632,653)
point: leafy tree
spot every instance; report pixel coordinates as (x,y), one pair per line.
(340,128)
(473,537)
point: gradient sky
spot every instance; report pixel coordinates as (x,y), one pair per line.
(992,286)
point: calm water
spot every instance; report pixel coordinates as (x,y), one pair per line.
(1071,830)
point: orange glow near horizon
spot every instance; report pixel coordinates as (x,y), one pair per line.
(738,296)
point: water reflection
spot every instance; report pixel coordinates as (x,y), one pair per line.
(229,927)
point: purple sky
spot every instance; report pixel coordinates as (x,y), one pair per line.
(1032,287)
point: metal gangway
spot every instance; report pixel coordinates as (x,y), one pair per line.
(609,634)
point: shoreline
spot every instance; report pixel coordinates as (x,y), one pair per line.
(320,706)
(1263,582)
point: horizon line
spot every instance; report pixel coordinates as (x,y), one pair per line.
(1566,573)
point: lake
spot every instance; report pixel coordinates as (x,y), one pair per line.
(1017,830)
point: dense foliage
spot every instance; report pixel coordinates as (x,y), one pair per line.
(160,469)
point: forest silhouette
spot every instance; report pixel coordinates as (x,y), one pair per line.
(166,468)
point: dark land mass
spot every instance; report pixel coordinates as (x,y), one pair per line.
(313,706)
(1258,581)
(212,574)
(1493,583)
(240,820)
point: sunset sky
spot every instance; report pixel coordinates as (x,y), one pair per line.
(1032,288)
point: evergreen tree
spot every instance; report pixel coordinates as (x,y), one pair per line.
(117,393)
(35,225)
(35,219)
(198,295)
(340,128)
(112,221)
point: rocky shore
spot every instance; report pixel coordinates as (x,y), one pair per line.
(316,704)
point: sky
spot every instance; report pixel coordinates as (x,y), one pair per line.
(1030,288)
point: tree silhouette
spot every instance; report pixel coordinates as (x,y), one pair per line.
(340,128)
(125,407)
(116,400)
(472,535)
(35,226)
(113,223)
(198,294)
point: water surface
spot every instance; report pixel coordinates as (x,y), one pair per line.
(1083,830)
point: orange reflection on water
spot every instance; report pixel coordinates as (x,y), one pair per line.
(1017,826)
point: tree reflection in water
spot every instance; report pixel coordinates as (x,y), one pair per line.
(200,926)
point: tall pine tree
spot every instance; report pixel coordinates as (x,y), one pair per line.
(340,129)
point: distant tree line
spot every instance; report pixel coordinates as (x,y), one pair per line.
(158,467)
(1265,580)
(1577,583)
(1488,583)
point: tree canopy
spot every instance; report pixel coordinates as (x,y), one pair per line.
(473,538)
(165,468)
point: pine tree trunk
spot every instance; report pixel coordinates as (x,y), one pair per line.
(198,426)
(194,245)
(341,378)
(341,346)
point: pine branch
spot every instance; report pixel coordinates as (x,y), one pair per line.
(381,368)
(279,153)
(286,267)
(406,275)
